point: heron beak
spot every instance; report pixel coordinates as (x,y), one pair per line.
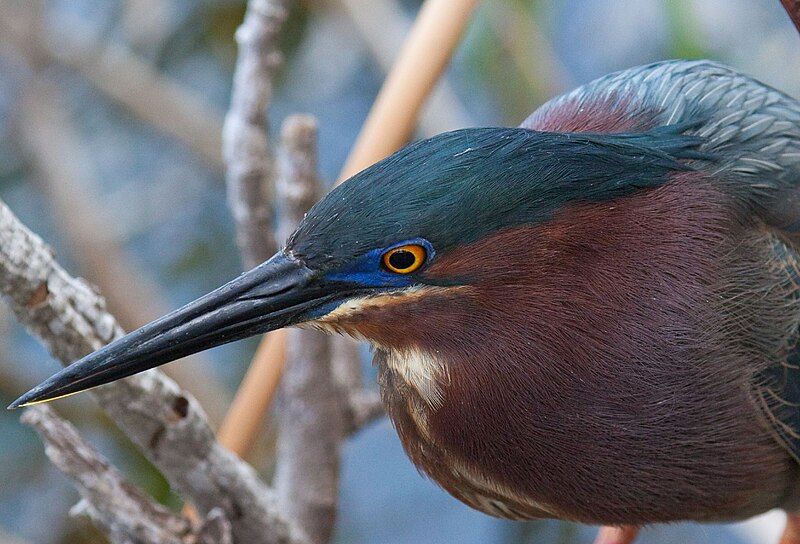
(278,293)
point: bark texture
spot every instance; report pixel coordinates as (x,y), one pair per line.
(165,422)
(310,411)
(245,135)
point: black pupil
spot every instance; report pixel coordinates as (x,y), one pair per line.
(402,259)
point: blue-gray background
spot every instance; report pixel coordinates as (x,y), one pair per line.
(125,195)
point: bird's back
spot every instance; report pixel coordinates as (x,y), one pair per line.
(752,127)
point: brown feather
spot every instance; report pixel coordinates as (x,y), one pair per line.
(603,366)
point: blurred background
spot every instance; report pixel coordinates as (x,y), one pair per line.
(110,118)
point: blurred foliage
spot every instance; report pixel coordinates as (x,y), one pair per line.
(685,42)
(197,255)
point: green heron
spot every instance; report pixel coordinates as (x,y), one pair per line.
(591,317)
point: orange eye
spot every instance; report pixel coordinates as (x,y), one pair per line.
(404,259)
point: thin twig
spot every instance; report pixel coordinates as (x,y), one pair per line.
(125,512)
(311,418)
(165,422)
(248,158)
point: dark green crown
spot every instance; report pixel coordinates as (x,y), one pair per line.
(459,186)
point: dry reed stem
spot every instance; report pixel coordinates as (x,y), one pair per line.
(244,419)
(424,57)
(384,27)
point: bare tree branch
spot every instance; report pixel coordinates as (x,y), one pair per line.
(125,512)
(311,430)
(248,157)
(165,422)
(361,406)
(297,185)
(311,419)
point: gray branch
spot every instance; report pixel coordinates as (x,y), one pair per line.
(245,140)
(124,511)
(165,422)
(361,406)
(297,185)
(310,414)
(126,514)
